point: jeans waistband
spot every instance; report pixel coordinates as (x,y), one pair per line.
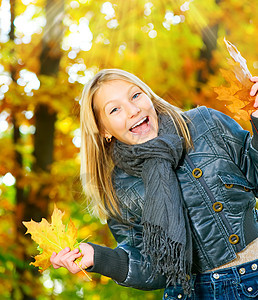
(228,273)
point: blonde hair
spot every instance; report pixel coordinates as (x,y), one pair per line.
(96,162)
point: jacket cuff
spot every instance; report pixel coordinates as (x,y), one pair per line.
(109,262)
(254,122)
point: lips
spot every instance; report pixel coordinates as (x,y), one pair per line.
(140,126)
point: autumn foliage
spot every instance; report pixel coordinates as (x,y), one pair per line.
(48,51)
(237,96)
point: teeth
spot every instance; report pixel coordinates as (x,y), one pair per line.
(138,123)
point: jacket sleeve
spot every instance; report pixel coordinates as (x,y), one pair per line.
(240,145)
(128,237)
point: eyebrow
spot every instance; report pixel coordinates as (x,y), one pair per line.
(128,92)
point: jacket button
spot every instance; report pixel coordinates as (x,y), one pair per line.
(215,276)
(233,239)
(179,296)
(242,271)
(250,289)
(166,295)
(254,267)
(217,206)
(228,186)
(197,173)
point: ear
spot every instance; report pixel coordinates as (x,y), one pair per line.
(108,137)
(106,134)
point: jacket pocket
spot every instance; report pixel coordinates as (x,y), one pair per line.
(237,191)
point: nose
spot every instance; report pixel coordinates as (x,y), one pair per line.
(132,110)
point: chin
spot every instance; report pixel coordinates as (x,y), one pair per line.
(142,139)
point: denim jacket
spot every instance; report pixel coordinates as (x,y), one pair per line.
(219,182)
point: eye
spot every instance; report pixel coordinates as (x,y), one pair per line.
(113,110)
(136,95)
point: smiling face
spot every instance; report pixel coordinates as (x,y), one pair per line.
(125,112)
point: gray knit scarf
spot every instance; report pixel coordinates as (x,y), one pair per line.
(166,232)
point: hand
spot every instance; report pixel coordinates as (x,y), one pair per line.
(253,92)
(66,258)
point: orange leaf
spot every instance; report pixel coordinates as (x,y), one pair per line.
(238,64)
(237,95)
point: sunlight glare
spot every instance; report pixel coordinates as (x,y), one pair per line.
(108,10)
(74,4)
(27,2)
(79,38)
(5,17)
(4,88)
(112,24)
(171,19)
(28,114)
(255,64)
(3,123)
(147,10)
(3,126)
(8,179)
(29,80)
(27,24)
(153,34)
(24,129)
(58,286)
(186,5)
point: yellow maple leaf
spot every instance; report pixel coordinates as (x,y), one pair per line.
(51,237)
(236,95)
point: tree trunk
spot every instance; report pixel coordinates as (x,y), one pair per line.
(209,37)
(27,206)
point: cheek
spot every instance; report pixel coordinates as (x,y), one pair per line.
(114,126)
(148,104)
(103,125)
(151,110)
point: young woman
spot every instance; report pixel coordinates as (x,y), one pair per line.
(177,189)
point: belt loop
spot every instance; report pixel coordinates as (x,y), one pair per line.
(235,272)
(192,281)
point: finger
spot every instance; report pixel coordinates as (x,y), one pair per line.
(70,255)
(64,251)
(88,255)
(84,264)
(68,259)
(254,89)
(55,258)
(71,264)
(256,102)
(54,254)
(254,78)
(52,260)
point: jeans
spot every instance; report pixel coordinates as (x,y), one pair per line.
(234,283)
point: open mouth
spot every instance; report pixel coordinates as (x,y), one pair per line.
(140,126)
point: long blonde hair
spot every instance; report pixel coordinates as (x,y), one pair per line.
(96,162)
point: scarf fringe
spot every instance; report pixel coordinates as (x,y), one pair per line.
(168,257)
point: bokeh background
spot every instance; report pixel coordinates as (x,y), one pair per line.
(48,50)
